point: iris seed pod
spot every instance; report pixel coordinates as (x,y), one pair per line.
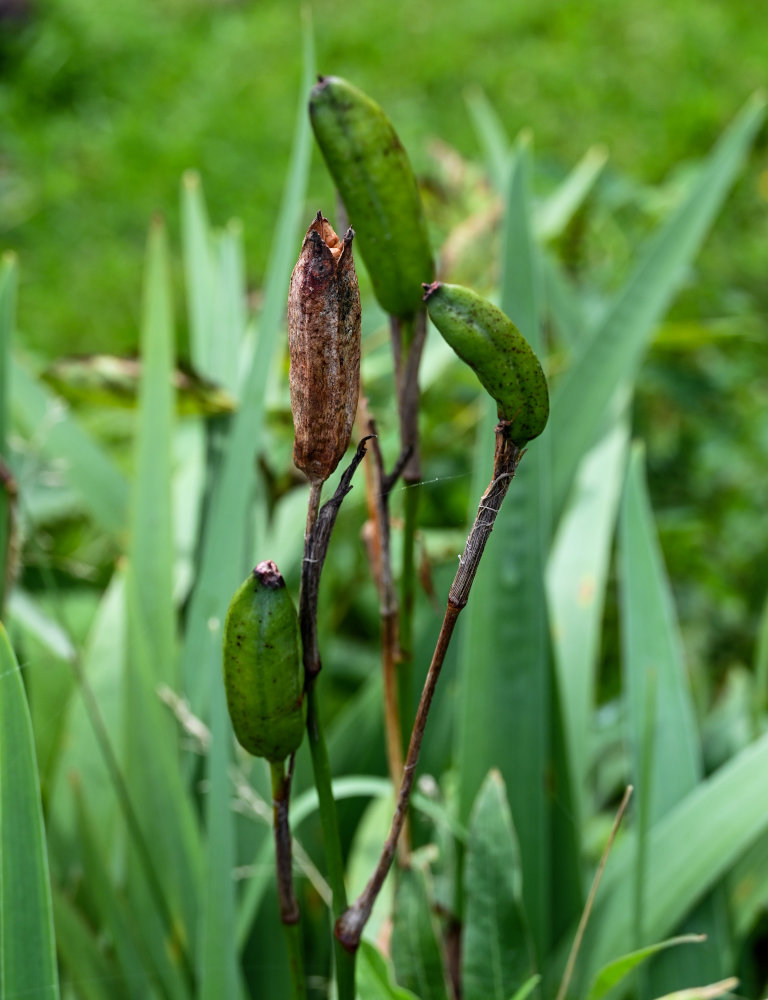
(490,343)
(263,671)
(324,343)
(373,175)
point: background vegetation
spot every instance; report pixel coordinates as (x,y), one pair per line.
(102,109)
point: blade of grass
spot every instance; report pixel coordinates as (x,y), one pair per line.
(660,710)
(87,971)
(8,283)
(705,992)
(497,952)
(224,554)
(761,662)
(27,612)
(160,799)
(504,714)
(416,950)
(8,288)
(577,576)
(613,973)
(651,643)
(689,851)
(527,988)
(143,964)
(218,952)
(613,354)
(151,548)
(556,211)
(748,888)
(198,269)
(229,309)
(492,136)
(586,913)
(375,976)
(27,946)
(215,285)
(56,434)
(102,666)
(564,305)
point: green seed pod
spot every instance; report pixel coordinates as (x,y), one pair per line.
(263,672)
(372,172)
(500,356)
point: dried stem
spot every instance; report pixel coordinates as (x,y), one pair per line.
(315,549)
(281,793)
(313,507)
(408,344)
(591,898)
(289,907)
(379,490)
(349,926)
(319,527)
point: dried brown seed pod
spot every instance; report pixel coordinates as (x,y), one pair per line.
(324,343)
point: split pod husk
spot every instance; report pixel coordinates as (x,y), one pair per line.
(373,175)
(263,671)
(490,343)
(324,344)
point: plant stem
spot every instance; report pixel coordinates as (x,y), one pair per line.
(9,495)
(316,540)
(313,507)
(292,935)
(329,825)
(591,898)
(349,926)
(319,526)
(408,339)
(411,497)
(380,556)
(289,908)
(281,792)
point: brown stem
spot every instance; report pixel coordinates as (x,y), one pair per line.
(349,926)
(407,357)
(315,550)
(313,507)
(8,533)
(379,489)
(505,461)
(591,898)
(318,536)
(408,340)
(281,793)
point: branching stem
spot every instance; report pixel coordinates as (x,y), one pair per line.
(320,523)
(349,926)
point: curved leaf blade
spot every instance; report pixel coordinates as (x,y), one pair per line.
(496,949)
(27,946)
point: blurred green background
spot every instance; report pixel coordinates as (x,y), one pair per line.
(103,106)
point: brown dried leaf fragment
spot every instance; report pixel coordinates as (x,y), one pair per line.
(324,344)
